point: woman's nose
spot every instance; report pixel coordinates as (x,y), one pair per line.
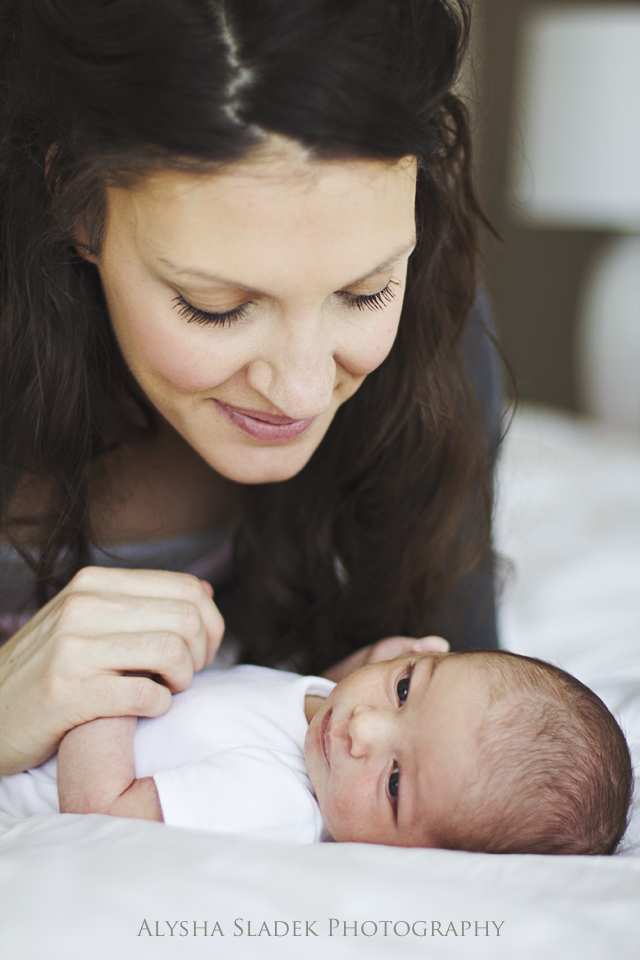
(367,729)
(296,373)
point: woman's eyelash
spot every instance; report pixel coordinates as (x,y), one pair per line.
(372,301)
(194,315)
(361,301)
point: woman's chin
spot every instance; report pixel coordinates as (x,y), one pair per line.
(264,464)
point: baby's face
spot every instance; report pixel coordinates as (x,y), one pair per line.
(394,747)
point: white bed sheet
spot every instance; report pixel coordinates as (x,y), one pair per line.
(82,887)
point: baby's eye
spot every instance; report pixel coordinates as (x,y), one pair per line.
(394,783)
(403,689)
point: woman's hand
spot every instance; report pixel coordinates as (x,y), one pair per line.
(387,649)
(66,665)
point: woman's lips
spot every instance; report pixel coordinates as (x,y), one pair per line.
(324,739)
(267,427)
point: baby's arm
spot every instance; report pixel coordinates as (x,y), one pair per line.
(96,772)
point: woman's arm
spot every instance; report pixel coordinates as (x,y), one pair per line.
(66,665)
(97,774)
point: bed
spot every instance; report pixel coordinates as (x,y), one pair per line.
(100,888)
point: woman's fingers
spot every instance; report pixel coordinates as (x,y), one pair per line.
(160,652)
(102,601)
(214,627)
(135,583)
(387,649)
(100,615)
(65,665)
(110,695)
(392,647)
(430,645)
(72,679)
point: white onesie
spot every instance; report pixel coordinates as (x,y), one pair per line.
(228,756)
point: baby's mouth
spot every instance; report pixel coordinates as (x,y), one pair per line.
(324,739)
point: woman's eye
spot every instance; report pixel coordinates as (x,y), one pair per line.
(403,689)
(194,315)
(394,783)
(373,301)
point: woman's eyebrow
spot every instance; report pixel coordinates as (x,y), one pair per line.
(204,275)
(395,257)
(399,254)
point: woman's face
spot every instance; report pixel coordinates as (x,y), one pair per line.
(251,303)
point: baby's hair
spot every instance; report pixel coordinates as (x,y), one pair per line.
(555,771)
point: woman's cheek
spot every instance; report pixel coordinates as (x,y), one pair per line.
(184,366)
(187,358)
(372,345)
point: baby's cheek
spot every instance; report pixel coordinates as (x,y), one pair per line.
(337,818)
(346,813)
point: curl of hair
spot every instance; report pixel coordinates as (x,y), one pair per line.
(395,503)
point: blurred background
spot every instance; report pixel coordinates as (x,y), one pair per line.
(556,94)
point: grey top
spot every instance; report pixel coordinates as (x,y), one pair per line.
(207,555)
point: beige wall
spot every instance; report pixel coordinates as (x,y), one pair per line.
(534,276)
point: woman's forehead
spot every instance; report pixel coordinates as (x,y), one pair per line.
(284,174)
(355,210)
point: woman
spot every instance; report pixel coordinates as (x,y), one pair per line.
(238,339)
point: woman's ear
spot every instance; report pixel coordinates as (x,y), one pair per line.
(82,248)
(80,239)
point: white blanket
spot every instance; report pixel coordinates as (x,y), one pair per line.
(94,888)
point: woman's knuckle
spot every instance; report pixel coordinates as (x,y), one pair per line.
(63,651)
(56,687)
(74,605)
(84,577)
(172,650)
(66,607)
(190,619)
(190,587)
(142,695)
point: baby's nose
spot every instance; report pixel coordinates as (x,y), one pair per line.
(366,730)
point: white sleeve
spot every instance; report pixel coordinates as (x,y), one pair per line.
(32,792)
(244,790)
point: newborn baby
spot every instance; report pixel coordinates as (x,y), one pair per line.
(485,751)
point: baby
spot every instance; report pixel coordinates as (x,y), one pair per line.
(484,751)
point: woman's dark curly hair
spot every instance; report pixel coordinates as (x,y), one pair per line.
(394,506)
